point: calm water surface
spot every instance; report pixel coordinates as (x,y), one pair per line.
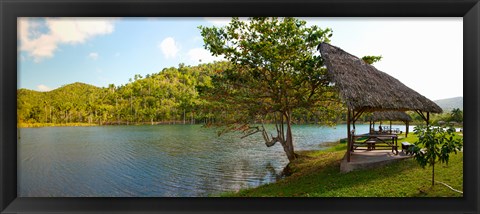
(153,161)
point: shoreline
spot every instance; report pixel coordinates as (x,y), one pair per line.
(40,125)
(317,174)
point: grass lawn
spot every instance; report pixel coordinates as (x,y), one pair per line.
(317,174)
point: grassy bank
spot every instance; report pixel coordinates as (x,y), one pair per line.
(317,174)
(37,125)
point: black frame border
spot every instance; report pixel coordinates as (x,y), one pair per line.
(11,9)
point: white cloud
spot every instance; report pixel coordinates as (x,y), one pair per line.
(41,45)
(93,56)
(205,56)
(42,87)
(169,47)
(77,30)
(40,48)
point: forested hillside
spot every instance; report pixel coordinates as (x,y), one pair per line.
(170,96)
(174,95)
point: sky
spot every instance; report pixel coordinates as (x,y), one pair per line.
(425,54)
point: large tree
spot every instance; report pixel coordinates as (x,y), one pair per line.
(274,72)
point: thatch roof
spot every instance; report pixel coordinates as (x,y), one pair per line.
(362,86)
(391,116)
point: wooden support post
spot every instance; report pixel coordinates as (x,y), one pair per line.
(356,116)
(422,115)
(428,118)
(406,128)
(349,137)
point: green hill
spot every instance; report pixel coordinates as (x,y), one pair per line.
(450,103)
(55,106)
(169,96)
(75,86)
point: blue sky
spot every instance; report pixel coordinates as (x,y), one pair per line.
(425,54)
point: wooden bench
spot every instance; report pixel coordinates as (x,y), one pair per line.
(370,145)
(406,147)
(374,141)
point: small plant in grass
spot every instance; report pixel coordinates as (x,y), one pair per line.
(435,145)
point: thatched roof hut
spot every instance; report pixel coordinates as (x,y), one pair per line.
(391,116)
(365,89)
(362,86)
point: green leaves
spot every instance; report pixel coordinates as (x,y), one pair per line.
(435,144)
(371,59)
(274,66)
(456,115)
(274,75)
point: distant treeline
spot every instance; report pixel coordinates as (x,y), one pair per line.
(172,96)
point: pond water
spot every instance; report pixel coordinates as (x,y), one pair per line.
(153,161)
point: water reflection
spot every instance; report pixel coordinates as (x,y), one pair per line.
(150,161)
(239,175)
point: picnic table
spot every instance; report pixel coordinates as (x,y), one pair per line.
(374,141)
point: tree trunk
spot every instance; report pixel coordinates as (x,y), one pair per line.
(288,145)
(433,174)
(191,118)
